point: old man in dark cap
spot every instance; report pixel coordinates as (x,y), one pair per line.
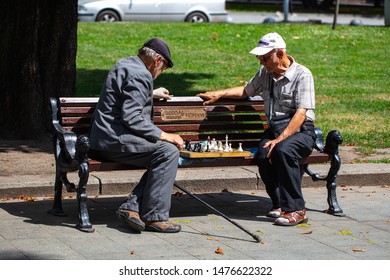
(123,131)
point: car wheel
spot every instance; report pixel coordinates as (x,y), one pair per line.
(197,17)
(108,16)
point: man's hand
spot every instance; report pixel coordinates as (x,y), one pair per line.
(212,96)
(161,93)
(209,97)
(292,127)
(271,144)
(172,138)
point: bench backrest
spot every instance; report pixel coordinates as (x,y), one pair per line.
(242,120)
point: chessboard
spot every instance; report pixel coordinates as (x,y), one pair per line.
(214,154)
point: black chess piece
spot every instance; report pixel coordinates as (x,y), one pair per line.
(187,145)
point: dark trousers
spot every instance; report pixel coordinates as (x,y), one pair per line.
(282,174)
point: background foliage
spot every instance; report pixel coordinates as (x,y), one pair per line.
(349,64)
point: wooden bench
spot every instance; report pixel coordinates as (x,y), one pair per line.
(243,121)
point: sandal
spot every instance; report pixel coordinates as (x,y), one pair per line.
(292,218)
(274,213)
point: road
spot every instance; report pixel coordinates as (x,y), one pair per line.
(342,19)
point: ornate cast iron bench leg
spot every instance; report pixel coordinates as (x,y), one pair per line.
(82,147)
(84,223)
(57,210)
(334,207)
(333,140)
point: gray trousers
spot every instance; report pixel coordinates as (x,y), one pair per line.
(151,198)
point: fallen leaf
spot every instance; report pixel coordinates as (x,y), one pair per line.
(132,253)
(210,238)
(304,225)
(186,222)
(219,251)
(359,250)
(345,232)
(307,232)
(385,187)
(388,221)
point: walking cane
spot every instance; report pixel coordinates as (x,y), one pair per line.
(256,237)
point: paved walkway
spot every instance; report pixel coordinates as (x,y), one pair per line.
(207,241)
(28,232)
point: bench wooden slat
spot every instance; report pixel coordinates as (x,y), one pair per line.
(87,110)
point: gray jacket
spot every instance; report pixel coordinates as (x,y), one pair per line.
(123,116)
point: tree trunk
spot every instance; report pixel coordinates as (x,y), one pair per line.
(37,60)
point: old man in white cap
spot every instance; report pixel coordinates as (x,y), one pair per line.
(287,88)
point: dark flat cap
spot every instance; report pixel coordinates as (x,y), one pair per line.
(159,46)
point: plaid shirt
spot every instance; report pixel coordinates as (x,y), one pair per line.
(294,90)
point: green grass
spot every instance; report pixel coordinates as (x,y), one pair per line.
(349,64)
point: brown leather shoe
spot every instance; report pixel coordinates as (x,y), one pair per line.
(162,226)
(132,219)
(292,218)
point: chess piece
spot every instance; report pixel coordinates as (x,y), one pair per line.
(227,149)
(240,147)
(230,147)
(220,147)
(187,145)
(226,143)
(213,145)
(208,147)
(198,148)
(204,146)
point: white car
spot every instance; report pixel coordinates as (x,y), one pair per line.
(152,10)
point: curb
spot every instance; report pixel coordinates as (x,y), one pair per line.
(197,180)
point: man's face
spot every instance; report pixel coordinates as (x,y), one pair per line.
(159,66)
(270,60)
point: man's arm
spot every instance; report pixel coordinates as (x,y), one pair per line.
(212,96)
(293,126)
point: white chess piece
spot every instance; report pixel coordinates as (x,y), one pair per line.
(220,147)
(213,145)
(226,143)
(240,147)
(230,147)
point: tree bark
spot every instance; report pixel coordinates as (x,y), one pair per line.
(37,59)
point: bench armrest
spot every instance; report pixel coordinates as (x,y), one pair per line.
(69,149)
